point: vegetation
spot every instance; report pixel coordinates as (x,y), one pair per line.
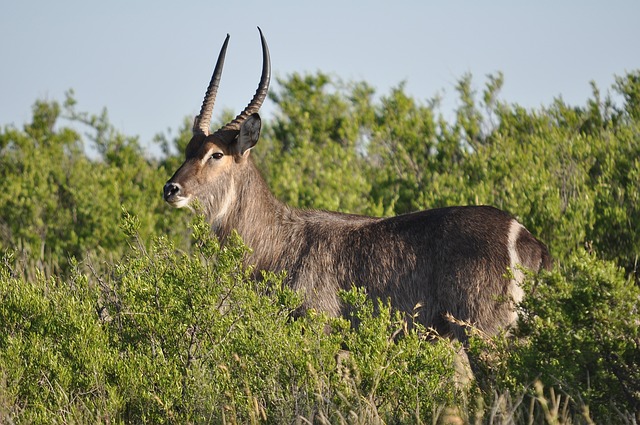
(116,309)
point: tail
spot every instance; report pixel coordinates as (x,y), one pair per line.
(546,262)
(532,253)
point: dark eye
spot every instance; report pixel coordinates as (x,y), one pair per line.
(216,155)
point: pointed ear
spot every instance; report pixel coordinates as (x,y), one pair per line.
(249,133)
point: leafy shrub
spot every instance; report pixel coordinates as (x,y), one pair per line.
(57,203)
(170,337)
(55,360)
(101,325)
(579,333)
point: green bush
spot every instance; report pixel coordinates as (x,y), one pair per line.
(57,203)
(582,329)
(579,333)
(105,325)
(55,359)
(170,337)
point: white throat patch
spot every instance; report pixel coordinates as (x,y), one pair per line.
(225,206)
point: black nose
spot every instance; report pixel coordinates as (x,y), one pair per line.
(171,190)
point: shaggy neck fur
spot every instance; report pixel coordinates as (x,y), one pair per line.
(277,234)
(264,223)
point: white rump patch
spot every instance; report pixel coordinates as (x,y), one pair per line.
(515,289)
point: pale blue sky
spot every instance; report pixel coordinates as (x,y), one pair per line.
(148,62)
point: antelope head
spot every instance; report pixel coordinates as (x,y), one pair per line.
(212,161)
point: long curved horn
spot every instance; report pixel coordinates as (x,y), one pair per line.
(261,92)
(202,121)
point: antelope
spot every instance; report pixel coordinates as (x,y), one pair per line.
(451,261)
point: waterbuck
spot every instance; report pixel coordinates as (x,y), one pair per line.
(449,261)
